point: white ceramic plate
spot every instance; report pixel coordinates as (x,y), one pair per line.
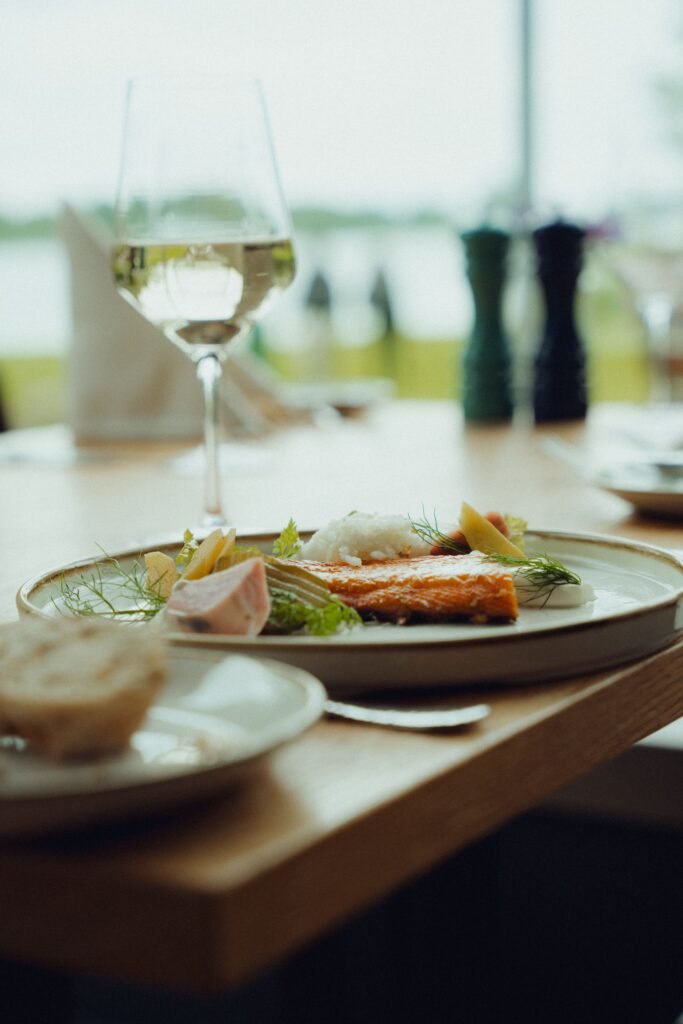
(645,486)
(216,716)
(635,612)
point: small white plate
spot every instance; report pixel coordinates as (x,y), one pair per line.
(646,486)
(216,716)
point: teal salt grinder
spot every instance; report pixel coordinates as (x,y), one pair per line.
(486,390)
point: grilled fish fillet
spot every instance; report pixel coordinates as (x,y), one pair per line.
(433,587)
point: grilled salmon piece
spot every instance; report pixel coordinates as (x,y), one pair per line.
(433,587)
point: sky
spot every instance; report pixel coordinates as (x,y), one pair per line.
(396,104)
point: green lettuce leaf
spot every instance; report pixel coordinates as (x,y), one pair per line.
(189,547)
(288,543)
(517,528)
(289,614)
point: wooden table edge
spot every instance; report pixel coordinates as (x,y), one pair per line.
(212,939)
(425,835)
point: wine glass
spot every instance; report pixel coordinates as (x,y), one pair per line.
(647,254)
(202,233)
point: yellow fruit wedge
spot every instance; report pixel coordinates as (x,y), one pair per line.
(225,555)
(161,573)
(481,535)
(205,557)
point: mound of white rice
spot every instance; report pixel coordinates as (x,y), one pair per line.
(364,537)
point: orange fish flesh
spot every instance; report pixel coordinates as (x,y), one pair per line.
(429,588)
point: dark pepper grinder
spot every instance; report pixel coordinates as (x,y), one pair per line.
(486,392)
(559,391)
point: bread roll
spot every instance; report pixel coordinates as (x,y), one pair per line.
(75,687)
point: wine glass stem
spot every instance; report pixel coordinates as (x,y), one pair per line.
(657,314)
(209,372)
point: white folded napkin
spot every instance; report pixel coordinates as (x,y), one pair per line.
(127,381)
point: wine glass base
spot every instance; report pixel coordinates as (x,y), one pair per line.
(213,520)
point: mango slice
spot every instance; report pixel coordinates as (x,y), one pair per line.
(205,557)
(225,558)
(481,535)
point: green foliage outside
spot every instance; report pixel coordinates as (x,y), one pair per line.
(617,365)
(32,390)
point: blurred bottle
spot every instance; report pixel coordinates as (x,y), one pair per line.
(318,297)
(486,390)
(380,301)
(559,389)
(318,305)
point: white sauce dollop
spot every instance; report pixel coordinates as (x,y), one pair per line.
(564,595)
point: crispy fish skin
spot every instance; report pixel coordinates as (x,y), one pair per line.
(429,588)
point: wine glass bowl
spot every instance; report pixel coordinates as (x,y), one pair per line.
(203,240)
(647,256)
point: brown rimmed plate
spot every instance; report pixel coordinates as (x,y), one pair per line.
(635,612)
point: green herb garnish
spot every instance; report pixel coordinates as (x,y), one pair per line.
(541,572)
(120,594)
(288,543)
(431,534)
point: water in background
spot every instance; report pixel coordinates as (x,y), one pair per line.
(421,265)
(34,298)
(431,308)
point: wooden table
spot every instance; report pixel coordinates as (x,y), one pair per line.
(346,814)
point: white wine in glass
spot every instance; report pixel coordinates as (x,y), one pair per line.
(203,240)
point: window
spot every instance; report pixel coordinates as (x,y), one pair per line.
(396,124)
